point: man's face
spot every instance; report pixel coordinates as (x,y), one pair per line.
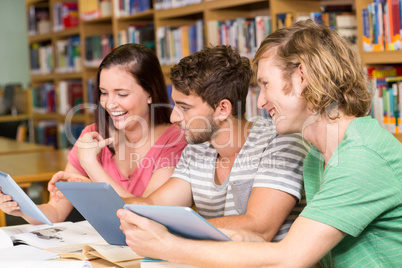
(288,109)
(194,116)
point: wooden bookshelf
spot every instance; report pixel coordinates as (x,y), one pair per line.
(180,16)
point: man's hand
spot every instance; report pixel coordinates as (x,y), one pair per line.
(144,236)
(63,176)
(243,235)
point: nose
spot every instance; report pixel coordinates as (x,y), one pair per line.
(262,101)
(110,103)
(176,116)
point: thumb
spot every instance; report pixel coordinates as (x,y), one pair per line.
(105,142)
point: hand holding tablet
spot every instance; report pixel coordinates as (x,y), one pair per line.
(27,206)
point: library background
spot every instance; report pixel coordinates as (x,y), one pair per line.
(51,52)
(66,40)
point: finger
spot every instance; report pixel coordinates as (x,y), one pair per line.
(105,142)
(128,217)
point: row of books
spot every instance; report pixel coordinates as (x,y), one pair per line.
(69,133)
(96,48)
(68,55)
(65,15)
(38,19)
(387,100)
(167,4)
(252,111)
(128,7)
(140,34)
(343,22)
(245,34)
(43,97)
(41,55)
(94,9)
(70,96)
(46,133)
(382,25)
(178,42)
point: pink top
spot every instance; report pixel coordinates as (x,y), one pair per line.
(165,152)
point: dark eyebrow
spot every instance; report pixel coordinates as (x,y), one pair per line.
(183,103)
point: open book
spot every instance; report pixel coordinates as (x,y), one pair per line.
(121,256)
(68,240)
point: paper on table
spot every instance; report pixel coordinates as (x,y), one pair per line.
(60,235)
(5,240)
(25,253)
(46,264)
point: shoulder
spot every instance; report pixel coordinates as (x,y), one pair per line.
(264,132)
(89,128)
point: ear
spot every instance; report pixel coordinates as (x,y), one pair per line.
(302,76)
(224,110)
(149,101)
(299,80)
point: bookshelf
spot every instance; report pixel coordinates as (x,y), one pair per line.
(101,21)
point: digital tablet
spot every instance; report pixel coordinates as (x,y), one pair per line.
(98,203)
(182,221)
(27,206)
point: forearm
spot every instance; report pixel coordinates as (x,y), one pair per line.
(246,222)
(96,173)
(224,254)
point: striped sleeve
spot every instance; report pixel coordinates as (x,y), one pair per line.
(281,165)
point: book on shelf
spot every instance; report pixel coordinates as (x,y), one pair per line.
(68,55)
(125,8)
(386,82)
(38,19)
(65,15)
(172,41)
(43,98)
(96,48)
(41,55)
(382,25)
(46,133)
(284,20)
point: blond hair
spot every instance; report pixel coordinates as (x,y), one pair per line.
(330,64)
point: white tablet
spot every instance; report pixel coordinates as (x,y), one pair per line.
(182,221)
(98,203)
(10,187)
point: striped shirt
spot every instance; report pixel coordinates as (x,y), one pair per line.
(360,193)
(265,160)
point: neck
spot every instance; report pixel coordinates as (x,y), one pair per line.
(326,134)
(231,137)
(136,135)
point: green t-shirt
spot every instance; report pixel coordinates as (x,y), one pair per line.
(360,193)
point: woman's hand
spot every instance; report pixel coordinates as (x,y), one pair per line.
(63,176)
(7,205)
(90,145)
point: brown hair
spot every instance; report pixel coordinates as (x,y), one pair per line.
(143,65)
(331,65)
(214,74)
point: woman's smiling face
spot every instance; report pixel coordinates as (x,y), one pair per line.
(123,98)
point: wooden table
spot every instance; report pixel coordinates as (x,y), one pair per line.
(10,146)
(33,167)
